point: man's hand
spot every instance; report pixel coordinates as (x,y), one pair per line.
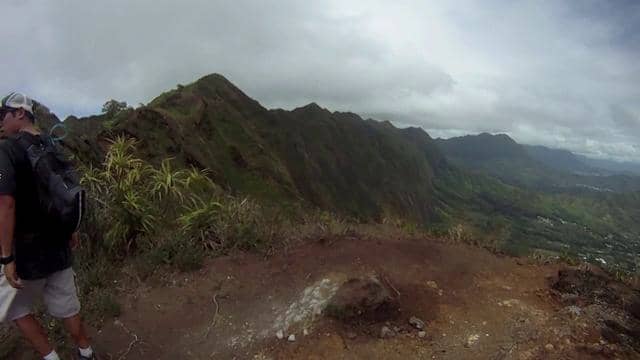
(74,241)
(11,275)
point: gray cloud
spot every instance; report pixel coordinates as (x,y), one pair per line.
(562,74)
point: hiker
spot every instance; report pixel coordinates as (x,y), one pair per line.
(36,252)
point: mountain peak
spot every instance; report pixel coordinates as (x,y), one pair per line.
(216,84)
(312,108)
(484,146)
(500,136)
(209,87)
(214,78)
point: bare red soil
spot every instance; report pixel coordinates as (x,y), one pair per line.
(475,304)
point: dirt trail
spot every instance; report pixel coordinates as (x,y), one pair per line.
(476,305)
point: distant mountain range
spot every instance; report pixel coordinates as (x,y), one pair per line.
(536,167)
(614,167)
(580,164)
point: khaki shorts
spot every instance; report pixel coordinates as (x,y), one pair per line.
(57,291)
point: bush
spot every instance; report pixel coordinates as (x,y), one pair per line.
(168,216)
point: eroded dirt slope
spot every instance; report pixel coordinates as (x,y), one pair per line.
(475,305)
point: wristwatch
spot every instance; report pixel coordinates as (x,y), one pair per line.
(7,260)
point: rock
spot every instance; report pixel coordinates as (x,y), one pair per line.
(574,310)
(280,334)
(422,334)
(590,285)
(291,338)
(549,347)
(305,332)
(385,333)
(416,323)
(618,333)
(472,340)
(432,284)
(362,300)
(634,307)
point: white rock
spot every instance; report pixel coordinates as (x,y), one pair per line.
(305,332)
(422,334)
(292,338)
(416,323)
(280,335)
(385,332)
(472,340)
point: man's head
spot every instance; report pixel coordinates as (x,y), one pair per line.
(16,112)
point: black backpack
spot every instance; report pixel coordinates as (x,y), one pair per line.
(61,197)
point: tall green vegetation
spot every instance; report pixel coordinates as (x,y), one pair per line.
(165,215)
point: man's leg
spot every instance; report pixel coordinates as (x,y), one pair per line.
(35,334)
(19,306)
(76,329)
(61,300)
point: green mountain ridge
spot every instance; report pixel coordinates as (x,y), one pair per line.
(333,160)
(366,169)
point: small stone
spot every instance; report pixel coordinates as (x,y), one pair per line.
(416,323)
(574,310)
(280,335)
(549,347)
(422,334)
(305,332)
(291,338)
(385,332)
(472,340)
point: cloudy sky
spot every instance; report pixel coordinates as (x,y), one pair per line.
(557,73)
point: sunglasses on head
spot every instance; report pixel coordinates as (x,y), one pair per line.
(4,111)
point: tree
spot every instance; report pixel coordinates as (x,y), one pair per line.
(112,107)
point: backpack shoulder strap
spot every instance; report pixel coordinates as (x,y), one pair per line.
(23,141)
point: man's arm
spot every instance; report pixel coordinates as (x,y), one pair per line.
(7,223)
(8,189)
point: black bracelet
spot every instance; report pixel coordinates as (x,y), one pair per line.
(7,260)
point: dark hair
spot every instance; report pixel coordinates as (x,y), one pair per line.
(30,116)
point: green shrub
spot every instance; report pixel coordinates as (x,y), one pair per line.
(169,216)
